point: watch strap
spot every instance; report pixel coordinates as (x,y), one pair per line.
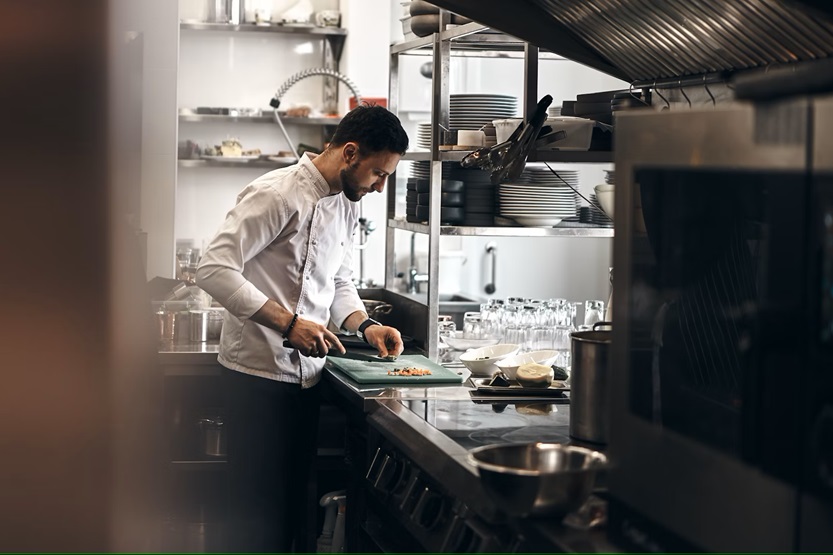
(364,325)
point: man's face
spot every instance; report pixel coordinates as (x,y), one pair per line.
(365,174)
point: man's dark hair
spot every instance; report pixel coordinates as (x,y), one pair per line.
(373,128)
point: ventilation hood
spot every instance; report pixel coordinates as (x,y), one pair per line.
(640,41)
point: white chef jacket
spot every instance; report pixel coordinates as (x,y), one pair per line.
(290,240)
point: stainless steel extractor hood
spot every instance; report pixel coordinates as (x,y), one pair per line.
(645,40)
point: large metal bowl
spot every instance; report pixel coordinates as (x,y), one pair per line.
(537,478)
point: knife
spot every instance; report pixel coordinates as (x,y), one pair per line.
(351,355)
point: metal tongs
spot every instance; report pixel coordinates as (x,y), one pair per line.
(506,161)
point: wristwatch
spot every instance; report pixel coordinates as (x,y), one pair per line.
(364,325)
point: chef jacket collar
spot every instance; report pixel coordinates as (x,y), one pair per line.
(322,188)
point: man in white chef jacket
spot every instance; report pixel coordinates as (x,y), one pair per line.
(281,266)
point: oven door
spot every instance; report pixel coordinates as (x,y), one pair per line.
(816,533)
(709,346)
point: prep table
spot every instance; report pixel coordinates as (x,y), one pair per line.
(429,427)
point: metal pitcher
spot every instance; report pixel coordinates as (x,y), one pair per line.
(589,384)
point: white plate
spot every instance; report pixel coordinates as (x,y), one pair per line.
(531,221)
(283,159)
(231,158)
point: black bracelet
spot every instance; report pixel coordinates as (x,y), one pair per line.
(291,325)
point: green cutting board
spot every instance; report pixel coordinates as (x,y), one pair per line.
(377,372)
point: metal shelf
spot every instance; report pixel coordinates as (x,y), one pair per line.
(252,28)
(188,163)
(505,231)
(472,40)
(468,38)
(190,117)
(573,156)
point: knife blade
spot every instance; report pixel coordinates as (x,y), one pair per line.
(351,355)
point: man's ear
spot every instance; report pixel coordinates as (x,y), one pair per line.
(350,152)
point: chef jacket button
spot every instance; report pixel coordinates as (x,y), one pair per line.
(307,276)
(342,243)
(315,241)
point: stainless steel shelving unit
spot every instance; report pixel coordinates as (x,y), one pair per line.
(333,40)
(252,28)
(472,39)
(504,231)
(189,116)
(241,164)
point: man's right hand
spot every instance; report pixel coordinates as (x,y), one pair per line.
(309,338)
(312,339)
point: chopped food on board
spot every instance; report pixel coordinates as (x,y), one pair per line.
(409,371)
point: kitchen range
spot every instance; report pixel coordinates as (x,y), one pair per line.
(414,486)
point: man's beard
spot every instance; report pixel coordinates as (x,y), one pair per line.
(350,185)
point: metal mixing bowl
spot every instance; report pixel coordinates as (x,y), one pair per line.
(537,478)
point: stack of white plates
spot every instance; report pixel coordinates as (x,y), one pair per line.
(554,111)
(473,111)
(597,216)
(538,173)
(536,205)
(610,177)
(424,134)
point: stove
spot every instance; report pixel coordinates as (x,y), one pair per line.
(477,422)
(419,483)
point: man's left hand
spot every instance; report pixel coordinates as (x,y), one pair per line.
(386,339)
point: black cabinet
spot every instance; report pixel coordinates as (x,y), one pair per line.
(196,501)
(196,428)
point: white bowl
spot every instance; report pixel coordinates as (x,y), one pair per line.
(460,343)
(605,195)
(481,362)
(509,365)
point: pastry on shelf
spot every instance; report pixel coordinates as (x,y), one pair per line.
(231,148)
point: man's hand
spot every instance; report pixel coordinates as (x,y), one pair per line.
(312,339)
(385,338)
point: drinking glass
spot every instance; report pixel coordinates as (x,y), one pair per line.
(529,316)
(472,325)
(561,343)
(515,335)
(490,319)
(445,328)
(540,338)
(593,312)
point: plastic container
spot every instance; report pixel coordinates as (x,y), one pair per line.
(505,127)
(579,133)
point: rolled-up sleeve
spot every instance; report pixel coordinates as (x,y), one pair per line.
(248,228)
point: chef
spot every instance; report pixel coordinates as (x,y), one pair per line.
(281,266)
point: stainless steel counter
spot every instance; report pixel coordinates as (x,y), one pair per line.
(190,359)
(435,426)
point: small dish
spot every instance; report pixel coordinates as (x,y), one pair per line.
(481,362)
(510,365)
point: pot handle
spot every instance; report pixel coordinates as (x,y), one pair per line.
(600,324)
(384,308)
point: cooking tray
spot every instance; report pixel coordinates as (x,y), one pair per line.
(482,387)
(377,372)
